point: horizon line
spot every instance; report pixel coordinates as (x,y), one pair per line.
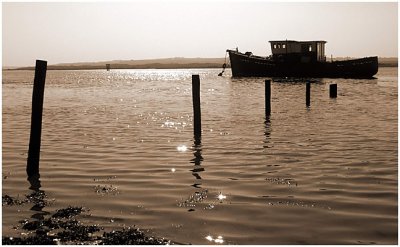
(149,59)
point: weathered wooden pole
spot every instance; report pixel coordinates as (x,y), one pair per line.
(267,97)
(196,105)
(32,167)
(308,93)
(333,90)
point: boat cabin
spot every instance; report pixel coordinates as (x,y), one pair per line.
(298,51)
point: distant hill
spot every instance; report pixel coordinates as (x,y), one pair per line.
(382,61)
(9,67)
(162,63)
(388,61)
(170,63)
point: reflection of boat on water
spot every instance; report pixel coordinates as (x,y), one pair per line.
(299,59)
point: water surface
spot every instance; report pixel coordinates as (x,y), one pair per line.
(121,143)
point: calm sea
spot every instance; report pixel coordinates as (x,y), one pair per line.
(120,143)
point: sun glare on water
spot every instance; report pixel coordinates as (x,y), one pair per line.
(218,240)
(221,197)
(182,148)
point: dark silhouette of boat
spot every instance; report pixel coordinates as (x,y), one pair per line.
(299,59)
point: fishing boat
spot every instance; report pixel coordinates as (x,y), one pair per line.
(299,59)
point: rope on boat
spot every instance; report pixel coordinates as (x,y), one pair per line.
(223,66)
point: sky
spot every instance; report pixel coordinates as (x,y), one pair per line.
(101,31)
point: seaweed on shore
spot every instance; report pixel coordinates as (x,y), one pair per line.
(38,198)
(63,228)
(68,212)
(9,201)
(130,236)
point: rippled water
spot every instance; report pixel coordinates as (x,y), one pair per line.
(121,143)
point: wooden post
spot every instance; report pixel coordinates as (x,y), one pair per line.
(108,66)
(308,89)
(267,97)
(196,105)
(333,90)
(32,167)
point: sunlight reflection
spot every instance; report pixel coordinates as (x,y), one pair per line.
(221,196)
(218,240)
(182,148)
(154,75)
(175,125)
(173,169)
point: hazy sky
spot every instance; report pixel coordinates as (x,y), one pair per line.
(96,31)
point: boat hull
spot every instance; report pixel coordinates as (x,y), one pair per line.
(247,65)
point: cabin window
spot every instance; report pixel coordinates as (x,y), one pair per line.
(283,46)
(310,48)
(274,46)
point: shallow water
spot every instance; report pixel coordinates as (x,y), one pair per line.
(121,143)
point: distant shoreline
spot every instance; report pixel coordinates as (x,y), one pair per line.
(122,66)
(167,63)
(383,65)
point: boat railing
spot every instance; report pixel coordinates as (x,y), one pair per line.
(250,54)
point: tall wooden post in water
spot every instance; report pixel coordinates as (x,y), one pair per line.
(196,105)
(333,90)
(267,98)
(308,93)
(32,167)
